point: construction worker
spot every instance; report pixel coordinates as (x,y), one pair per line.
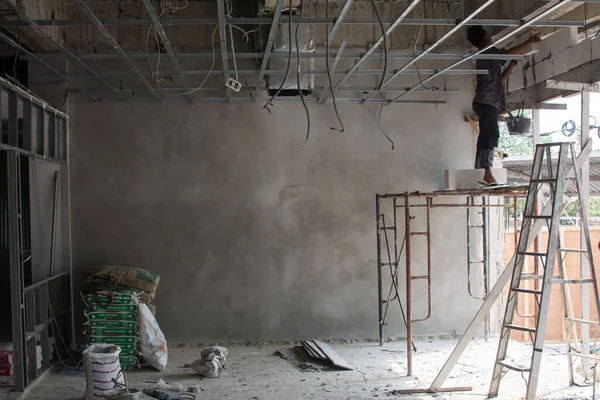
(489,99)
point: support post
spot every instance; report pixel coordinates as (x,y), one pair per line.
(16,273)
(408,286)
(223,41)
(584,190)
(379,275)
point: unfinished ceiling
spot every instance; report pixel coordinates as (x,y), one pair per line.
(175,50)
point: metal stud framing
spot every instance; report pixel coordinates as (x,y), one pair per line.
(84,7)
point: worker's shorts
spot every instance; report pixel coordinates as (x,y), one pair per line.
(489,134)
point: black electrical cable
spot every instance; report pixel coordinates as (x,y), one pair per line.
(329,72)
(385,68)
(269,102)
(300,89)
(385,49)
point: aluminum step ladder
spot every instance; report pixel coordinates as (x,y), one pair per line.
(551,175)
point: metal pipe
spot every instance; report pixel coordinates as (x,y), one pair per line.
(315,72)
(428,276)
(432,47)
(340,19)
(16,45)
(223,41)
(336,60)
(379,41)
(316,21)
(379,272)
(502,39)
(286,99)
(52,40)
(165,41)
(270,41)
(84,7)
(408,286)
(486,279)
(278,54)
(45,281)
(246,89)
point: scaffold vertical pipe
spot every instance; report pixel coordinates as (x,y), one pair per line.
(379,277)
(408,286)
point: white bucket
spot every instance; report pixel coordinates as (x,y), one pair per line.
(102,369)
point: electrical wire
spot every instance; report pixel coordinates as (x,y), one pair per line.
(329,73)
(269,102)
(212,66)
(300,89)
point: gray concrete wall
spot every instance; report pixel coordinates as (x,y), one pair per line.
(256,237)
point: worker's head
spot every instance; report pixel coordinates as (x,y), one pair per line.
(478,36)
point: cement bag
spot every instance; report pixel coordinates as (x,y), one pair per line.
(133,278)
(212,361)
(102,369)
(152,341)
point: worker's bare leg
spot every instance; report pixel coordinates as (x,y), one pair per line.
(488,177)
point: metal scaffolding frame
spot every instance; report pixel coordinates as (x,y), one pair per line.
(225,22)
(472,199)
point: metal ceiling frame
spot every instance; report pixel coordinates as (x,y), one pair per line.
(379,41)
(283,20)
(224,21)
(22,16)
(432,47)
(84,7)
(524,25)
(165,41)
(270,42)
(21,48)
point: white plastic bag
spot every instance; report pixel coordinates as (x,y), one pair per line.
(102,369)
(152,341)
(212,361)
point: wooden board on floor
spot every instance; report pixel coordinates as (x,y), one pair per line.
(333,356)
(310,349)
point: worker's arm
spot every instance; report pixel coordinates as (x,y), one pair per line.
(508,71)
(519,49)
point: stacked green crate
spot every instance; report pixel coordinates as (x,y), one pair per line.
(114,321)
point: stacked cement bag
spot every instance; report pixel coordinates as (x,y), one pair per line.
(112,318)
(139,280)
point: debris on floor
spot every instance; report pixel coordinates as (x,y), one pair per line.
(322,351)
(212,361)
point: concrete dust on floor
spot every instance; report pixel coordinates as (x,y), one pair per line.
(256,373)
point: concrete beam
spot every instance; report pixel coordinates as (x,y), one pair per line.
(573,86)
(589,73)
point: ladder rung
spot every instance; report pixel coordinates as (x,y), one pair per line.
(538,216)
(514,367)
(529,291)
(582,321)
(419,277)
(529,277)
(543,180)
(566,281)
(388,228)
(418,234)
(532,253)
(574,250)
(519,328)
(475,226)
(579,354)
(387,264)
(477,262)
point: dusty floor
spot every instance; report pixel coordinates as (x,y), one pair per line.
(256,374)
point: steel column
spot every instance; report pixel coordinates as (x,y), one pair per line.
(376,45)
(84,7)
(522,27)
(223,39)
(269,48)
(432,47)
(165,41)
(584,191)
